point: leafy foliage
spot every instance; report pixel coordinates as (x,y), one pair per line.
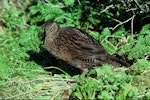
(47,11)
(122,27)
(107,85)
(142,47)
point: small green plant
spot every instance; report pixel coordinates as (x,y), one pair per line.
(107,84)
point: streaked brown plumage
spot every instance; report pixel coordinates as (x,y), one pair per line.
(76,47)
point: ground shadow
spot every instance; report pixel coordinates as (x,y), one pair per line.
(45,59)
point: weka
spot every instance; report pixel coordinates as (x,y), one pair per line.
(76,47)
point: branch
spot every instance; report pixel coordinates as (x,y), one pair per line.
(132,24)
(138,4)
(110,6)
(121,23)
(79,2)
(50,79)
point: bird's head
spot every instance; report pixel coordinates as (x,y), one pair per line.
(51,28)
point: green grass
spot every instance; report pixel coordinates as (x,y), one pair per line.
(27,71)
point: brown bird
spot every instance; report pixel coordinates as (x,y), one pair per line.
(76,47)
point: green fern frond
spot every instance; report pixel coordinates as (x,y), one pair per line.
(145,27)
(125,49)
(45,11)
(140,49)
(147,40)
(106,32)
(121,31)
(140,66)
(69,2)
(95,35)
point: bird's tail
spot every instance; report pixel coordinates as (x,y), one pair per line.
(118,62)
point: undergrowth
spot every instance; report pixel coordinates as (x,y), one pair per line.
(21,33)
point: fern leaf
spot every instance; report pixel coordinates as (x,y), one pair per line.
(140,49)
(106,32)
(69,2)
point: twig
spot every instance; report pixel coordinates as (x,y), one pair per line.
(124,4)
(132,9)
(9,98)
(140,95)
(132,24)
(121,23)
(52,79)
(20,26)
(110,6)
(138,4)
(79,2)
(117,20)
(146,71)
(120,69)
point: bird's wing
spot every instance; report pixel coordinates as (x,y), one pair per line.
(81,43)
